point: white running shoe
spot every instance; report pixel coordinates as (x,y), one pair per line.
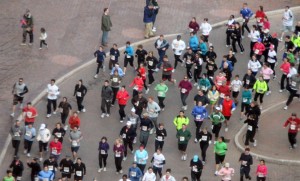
(285,107)
(104,169)
(12,114)
(100,169)
(121,171)
(216,173)
(226,129)
(54,112)
(124,159)
(196,84)
(173,70)
(255,143)
(48,115)
(66,127)
(28,155)
(184,157)
(96,76)
(83,110)
(280,90)
(102,115)
(107,115)
(147,91)
(195,140)
(41,159)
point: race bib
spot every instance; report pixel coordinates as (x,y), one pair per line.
(74,143)
(79,173)
(160,94)
(115,79)
(245,99)
(102,152)
(128,56)
(54,151)
(66,169)
(204,138)
(28,133)
(136,88)
(133,120)
(256,51)
(150,63)
(124,135)
(204,88)
(118,154)
(17,134)
(236,88)
(198,117)
(219,82)
(244,162)
(137,103)
(247,82)
(159,138)
(78,94)
(29,114)
(293,127)
(195,169)
(260,175)
(133,174)
(181,138)
(45,179)
(58,135)
(222,95)
(144,128)
(183,90)
(112,57)
(50,167)
(140,161)
(293,83)
(250,128)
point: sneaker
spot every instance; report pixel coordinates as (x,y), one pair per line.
(255,143)
(243,37)
(28,155)
(12,114)
(196,84)
(156,70)
(226,129)
(242,53)
(174,81)
(163,109)
(291,147)
(147,91)
(184,157)
(78,111)
(280,39)
(41,159)
(216,173)
(29,44)
(134,141)
(83,110)
(185,107)
(285,107)
(227,45)
(40,48)
(102,115)
(54,112)
(48,115)
(121,171)
(260,107)
(151,131)
(268,93)
(198,87)
(100,169)
(23,44)
(25,151)
(274,77)
(173,70)
(96,76)
(195,140)
(132,151)
(124,159)
(203,162)
(121,120)
(107,115)
(295,145)
(104,169)
(66,127)
(280,90)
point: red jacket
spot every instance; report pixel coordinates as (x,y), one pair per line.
(285,68)
(227,107)
(260,15)
(122,97)
(138,82)
(74,121)
(55,148)
(260,47)
(294,124)
(224,90)
(142,71)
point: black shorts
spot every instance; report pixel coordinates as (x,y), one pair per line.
(43,146)
(244,107)
(219,158)
(128,60)
(227,118)
(17,99)
(64,175)
(182,147)
(76,178)
(166,77)
(205,38)
(75,149)
(235,94)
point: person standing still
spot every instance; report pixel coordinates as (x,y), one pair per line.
(105,26)
(148,20)
(106,95)
(27,26)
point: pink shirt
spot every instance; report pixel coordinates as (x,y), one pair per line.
(266,72)
(262,171)
(219,80)
(285,68)
(226,173)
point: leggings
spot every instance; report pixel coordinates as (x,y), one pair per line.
(261,97)
(102,158)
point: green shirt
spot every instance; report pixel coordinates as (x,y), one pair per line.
(106,23)
(217,118)
(6,178)
(161,89)
(260,86)
(179,121)
(246,96)
(183,136)
(220,148)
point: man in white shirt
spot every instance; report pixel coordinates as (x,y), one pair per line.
(287,21)
(149,175)
(178,46)
(206,28)
(53,92)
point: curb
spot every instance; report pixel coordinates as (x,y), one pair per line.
(258,156)
(90,62)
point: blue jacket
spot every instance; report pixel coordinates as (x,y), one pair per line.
(129,50)
(164,44)
(229,65)
(203,48)
(148,15)
(103,146)
(205,83)
(115,53)
(194,42)
(141,157)
(246,13)
(100,56)
(199,113)
(43,174)
(135,173)
(120,71)
(29,133)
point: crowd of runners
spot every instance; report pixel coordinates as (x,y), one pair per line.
(220,92)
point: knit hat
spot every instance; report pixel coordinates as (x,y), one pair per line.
(195,158)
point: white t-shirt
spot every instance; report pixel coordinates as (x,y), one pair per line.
(206,28)
(288,18)
(149,177)
(53,91)
(236,85)
(271,56)
(254,65)
(179,46)
(158,159)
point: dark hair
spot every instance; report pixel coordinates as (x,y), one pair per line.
(104,138)
(123,86)
(237,76)
(115,44)
(165,56)
(80,80)
(262,160)
(161,35)
(107,81)
(288,36)
(205,19)
(105,9)
(181,111)
(8,171)
(128,42)
(43,30)
(247,149)
(140,46)
(185,178)
(29,103)
(124,176)
(53,80)
(261,8)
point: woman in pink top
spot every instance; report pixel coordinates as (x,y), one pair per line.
(266,71)
(226,173)
(285,68)
(138,84)
(220,79)
(261,171)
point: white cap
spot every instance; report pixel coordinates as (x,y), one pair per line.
(43,126)
(133,109)
(226,165)
(266,30)
(128,123)
(218,108)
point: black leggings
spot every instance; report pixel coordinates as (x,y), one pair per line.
(260,95)
(159,144)
(238,40)
(53,102)
(102,158)
(100,65)
(283,78)
(245,25)
(272,66)
(118,163)
(197,73)
(250,136)
(177,59)
(157,170)
(43,42)
(203,147)
(115,91)
(27,145)
(79,103)
(216,130)
(129,143)
(16,144)
(161,102)
(122,112)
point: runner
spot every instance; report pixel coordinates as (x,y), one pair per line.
(140,103)
(203,48)
(217,119)
(230,28)
(272,59)
(127,133)
(79,169)
(66,167)
(141,157)
(224,91)
(141,54)
(246,100)
(29,114)
(46,174)
(260,87)
(151,63)
(249,80)
(206,29)
(52,165)
(129,56)
(204,138)
(117,68)
(193,25)
(114,56)
(226,172)
(134,119)
(17,132)
(145,127)
(17,168)
(227,107)
(196,168)
(137,85)
(267,40)
(236,36)
(178,46)
(75,138)
(183,135)
(199,113)
(294,126)
(254,65)
(122,96)
(80,91)
(266,72)
(161,45)
(246,14)
(193,44)
(161,89)
(158,161)
(204,84)
(293,89)
(19,90)
(135,172)
(53,92)
(115,85)
(181,120)
(220,79)
(30,134)
(55,148)
(43,138)
(103,153)
(167,70)
(9,176)
(236,85)
(74,120)
(142,72)
(261,171)
(149,175)
(220,150)
(201,97)
(189,59)
(211,68)
(254,35)
(106,98)
(35,168)
(27,26)
(287,21)
(285,69)
(167,176)
(260,15)
(118,150)
(213,95)
(185,87)
(65,109)
(258,49)
(246,161)
(153,111)
(197,68)
(100,58)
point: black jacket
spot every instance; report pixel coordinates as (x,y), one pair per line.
(82,89)
(130,134)
(106,93)
(35,168)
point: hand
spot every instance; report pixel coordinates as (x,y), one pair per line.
(163,49)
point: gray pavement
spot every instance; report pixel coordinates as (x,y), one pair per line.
(93,127)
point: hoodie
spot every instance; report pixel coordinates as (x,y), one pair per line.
(199,113)
(194,42)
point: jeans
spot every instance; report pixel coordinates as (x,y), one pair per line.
(53,102)
(161,54)
(183,97)
(104,37)
(107,104)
